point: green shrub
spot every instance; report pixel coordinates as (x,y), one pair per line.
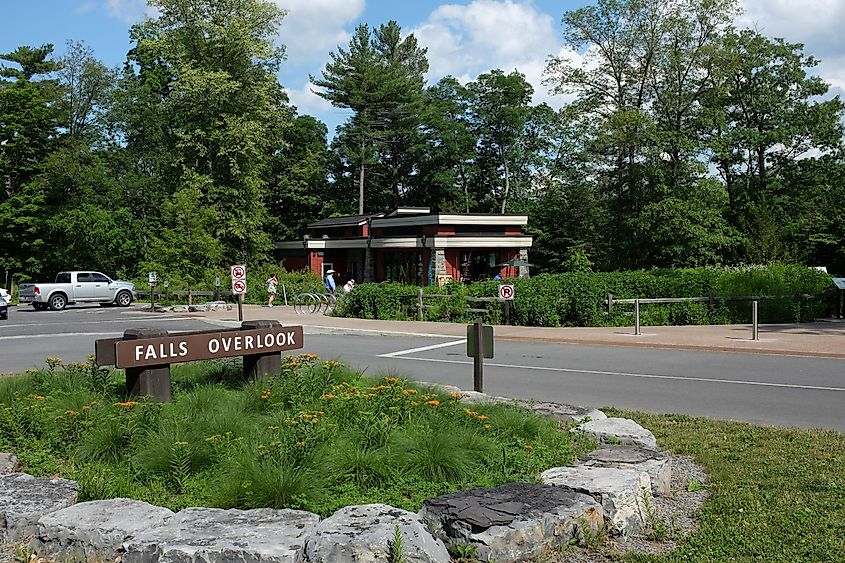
(579,298)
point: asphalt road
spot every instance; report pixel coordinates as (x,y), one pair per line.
(766,389)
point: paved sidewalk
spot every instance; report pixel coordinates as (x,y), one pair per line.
(825,339)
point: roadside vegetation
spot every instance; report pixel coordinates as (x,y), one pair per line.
(776,494)
(318,438)
(579,298)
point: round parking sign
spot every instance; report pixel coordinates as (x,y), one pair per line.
(506,292)
(238,287)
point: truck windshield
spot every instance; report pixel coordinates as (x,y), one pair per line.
(63,277)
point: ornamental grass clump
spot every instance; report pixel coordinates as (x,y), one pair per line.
(318,436)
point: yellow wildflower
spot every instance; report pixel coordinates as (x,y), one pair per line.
(433,402)
(409,391)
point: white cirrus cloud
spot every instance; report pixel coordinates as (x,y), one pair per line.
(466,40)
(314,28)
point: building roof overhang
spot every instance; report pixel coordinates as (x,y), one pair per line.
(451,219)
(387,243)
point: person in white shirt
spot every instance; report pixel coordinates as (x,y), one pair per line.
(349,286)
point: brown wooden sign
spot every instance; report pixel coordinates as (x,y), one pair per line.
(206,346)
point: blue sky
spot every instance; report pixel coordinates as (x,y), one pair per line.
(464,37)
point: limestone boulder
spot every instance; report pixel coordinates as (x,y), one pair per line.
(622,493)
(515,522)
(618,431)
(565,413)
(25,499)
(95,529)
(365,534)
(9,463)
(214,535)
(656,464)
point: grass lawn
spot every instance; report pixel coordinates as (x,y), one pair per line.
(776,495)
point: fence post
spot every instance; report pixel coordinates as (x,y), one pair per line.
(420,304)
(609,303)
(285,293)
(637,317)
(755,335)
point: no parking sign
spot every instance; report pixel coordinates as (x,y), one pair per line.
(238,279)
(506,292)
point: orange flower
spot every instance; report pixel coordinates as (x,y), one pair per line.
(528,447)
(456,396)
(71,412)
(482,417)
(327,396)
(126,404)
(40,397)
(409,391)
(433,402)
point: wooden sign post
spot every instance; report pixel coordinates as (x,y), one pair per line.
(479,346)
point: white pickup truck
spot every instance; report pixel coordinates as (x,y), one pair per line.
(77,287)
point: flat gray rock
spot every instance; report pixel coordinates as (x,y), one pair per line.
(364,534)
(562,412)
(618,431)
(214,535)
(514,522)
(25,499)
(623,493)
(95,529)
(656,464)
(9,463)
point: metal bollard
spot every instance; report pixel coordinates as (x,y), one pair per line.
(637,317)
(755,334)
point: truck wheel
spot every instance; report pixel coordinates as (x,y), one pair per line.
(124,299)
(58,302)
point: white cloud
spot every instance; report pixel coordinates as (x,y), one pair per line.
(816,23)
(306,101)
(85,7)
(128,11)
(466,40)
(314,28)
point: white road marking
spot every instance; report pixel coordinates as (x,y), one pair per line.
(340,329)
(4,325)
(423,349)
(639,375)
(59,334)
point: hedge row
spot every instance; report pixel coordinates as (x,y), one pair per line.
(579,299)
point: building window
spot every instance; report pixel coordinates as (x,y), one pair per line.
(404,267)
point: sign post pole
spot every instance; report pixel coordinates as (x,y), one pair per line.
(478,360)
(239,287)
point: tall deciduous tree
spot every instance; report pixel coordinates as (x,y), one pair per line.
(212,67)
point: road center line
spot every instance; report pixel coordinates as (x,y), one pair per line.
(423,349)
(637,375)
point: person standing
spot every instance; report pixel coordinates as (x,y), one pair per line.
(272,283)
(330,283)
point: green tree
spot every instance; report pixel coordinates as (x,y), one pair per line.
(87,86)
(766,114)
(500,111)
(28,128)
(380,77)
(214,93)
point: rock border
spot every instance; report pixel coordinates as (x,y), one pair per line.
(614,489)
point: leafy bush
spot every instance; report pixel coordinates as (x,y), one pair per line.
(317,437)
(579,298)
